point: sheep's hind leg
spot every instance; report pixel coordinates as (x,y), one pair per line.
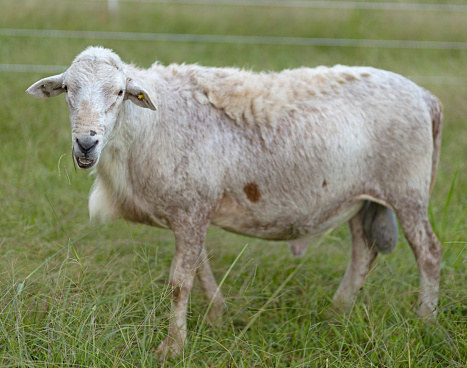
(211,291)
(362,257)
(427,250)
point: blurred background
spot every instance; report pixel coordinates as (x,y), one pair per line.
(43,198)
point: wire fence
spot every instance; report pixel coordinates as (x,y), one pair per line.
(363,5)
(32,68)
(258,40)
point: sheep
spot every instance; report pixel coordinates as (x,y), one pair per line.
(273,155)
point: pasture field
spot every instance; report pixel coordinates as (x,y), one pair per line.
(75,294)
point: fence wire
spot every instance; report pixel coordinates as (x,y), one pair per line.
(258,40)
(364,5)
(32,68)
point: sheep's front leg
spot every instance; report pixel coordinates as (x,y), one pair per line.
(189,242)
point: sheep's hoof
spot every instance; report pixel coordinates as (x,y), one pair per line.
(169,348)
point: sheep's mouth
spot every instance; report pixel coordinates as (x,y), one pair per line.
(84,163)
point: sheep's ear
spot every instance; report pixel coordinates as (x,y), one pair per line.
(138,95)
(47,87)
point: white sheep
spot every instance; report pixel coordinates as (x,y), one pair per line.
(277,156)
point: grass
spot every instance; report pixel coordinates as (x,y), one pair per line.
(73,294)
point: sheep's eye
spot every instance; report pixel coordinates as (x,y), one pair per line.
(65,88)
(121,92)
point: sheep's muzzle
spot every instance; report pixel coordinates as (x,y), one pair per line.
(84,163)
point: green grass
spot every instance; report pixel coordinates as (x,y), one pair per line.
(73,294)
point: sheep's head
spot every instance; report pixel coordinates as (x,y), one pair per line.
(96,86)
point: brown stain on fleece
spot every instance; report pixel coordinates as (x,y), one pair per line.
(252,192)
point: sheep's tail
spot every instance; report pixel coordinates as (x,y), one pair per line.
(436,111)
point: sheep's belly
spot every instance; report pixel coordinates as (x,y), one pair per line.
(282,226)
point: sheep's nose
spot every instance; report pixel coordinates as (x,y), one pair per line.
(87,144)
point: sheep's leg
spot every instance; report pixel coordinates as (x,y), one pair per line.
(427,250)
(189,242)
(210,289)
(362,257)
